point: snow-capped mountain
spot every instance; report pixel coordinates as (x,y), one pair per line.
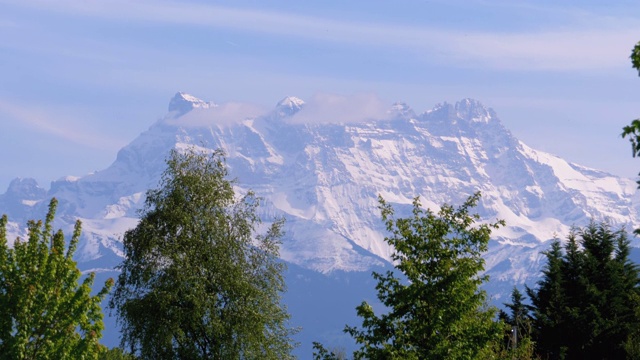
(324,178)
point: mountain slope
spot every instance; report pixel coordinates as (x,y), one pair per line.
(324,177)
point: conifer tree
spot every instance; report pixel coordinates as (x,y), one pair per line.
(611,286)
(548,304)
(518,317)
(45,313)
(517,343)
(197,283)
(586,305)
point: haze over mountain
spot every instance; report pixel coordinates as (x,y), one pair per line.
(323,164)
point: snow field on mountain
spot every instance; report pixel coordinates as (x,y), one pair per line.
(325,178)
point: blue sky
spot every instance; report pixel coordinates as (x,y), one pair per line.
(80,79)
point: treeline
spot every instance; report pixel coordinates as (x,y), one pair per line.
(197,282)
(586,305)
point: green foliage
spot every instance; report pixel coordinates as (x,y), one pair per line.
(548,307)
(635,57)
(196,283)
(116,354)
(517,342)
(44,312)
(439,312)
(587,304)
(497,350)
(632,344)
(518,318)
(633,130)
(321,353)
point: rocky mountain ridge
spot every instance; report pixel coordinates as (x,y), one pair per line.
(324,177)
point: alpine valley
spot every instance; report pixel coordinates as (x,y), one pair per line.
(324,177)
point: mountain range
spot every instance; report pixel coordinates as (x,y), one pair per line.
(324,176)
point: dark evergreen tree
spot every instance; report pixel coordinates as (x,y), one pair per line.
(517,344)
(547,307)
(517,318)
(586,305)
(574,285)
(611,289)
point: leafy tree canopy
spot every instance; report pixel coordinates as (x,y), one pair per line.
(45,313)
(197,283)
(116,354)
(438,311)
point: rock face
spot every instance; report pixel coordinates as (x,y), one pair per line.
(325,179)
(20,199)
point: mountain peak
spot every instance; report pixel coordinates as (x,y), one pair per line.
(291,102)
(290,105)
(182,103)
(402,109)
(473,111)
(26,188)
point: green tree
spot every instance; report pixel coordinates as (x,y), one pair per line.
(45,313)
(116,354)
(196,283)
(632,346)
(548,304)
(438,311)
(633,130)
(586,305)
(518,343)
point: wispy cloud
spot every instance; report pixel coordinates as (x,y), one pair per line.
(57,124)
(599,43)
(223,114)
(322,108)
(332,108)
(559,50)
